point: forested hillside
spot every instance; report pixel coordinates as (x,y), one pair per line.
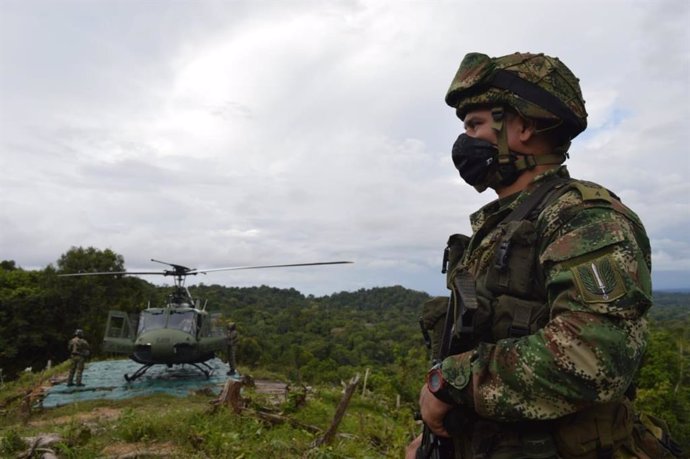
(308,339)
(664,381)
(39,311)
(323,339)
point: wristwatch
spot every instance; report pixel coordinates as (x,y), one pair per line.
(438,386)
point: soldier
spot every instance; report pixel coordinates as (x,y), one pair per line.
(551,291)
(79,350)
(233,338)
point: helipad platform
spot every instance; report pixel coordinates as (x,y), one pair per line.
(105,380)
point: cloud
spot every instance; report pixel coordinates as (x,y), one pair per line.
(232,133)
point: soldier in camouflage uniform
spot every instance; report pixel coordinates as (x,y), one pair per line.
(231,352)
(79,350)
(555,287)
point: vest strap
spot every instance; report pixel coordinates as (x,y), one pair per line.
(522,313)
(535,198)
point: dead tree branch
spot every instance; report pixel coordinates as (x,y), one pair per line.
(339,413)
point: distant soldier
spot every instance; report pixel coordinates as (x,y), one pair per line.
(79,350)
(233,338)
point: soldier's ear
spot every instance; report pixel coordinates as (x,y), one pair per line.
(528,129)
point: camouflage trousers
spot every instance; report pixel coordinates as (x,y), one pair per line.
(76,369)
(231,357)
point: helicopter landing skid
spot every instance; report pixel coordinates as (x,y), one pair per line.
(138,373)
(206,372)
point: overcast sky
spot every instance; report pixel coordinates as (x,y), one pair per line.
(232,133)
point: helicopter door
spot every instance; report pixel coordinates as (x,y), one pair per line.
(119,334)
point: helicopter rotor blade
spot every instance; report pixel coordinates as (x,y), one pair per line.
(236,268)
(114,273)
(182,271)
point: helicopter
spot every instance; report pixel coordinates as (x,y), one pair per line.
(179,332)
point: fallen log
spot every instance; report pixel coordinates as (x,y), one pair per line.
(275,419)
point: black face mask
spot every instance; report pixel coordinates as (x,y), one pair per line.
(473,158)
(477,162)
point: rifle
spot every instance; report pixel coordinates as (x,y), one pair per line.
(433,446)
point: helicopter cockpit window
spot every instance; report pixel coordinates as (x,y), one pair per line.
(151,320)
(183,320)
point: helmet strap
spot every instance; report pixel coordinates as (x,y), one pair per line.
(499,125)
(526,162)
(510,165)
(505,159)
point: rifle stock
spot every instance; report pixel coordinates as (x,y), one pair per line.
(461,306)
(433,446)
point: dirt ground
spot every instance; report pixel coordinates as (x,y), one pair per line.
(140,450)
(92,417)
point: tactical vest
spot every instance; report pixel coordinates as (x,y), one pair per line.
(498,278)
(496,275)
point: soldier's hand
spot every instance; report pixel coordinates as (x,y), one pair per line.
(433,411)
(411,450)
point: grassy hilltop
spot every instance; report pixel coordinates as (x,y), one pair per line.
(169,426)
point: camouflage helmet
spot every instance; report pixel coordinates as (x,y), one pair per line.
(79,332)
(535,85)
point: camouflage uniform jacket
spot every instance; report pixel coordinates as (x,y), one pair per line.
(591,271)
(233,337)
(78,347)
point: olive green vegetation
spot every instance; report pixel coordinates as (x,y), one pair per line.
(299,339)
(663,384)
(39,311)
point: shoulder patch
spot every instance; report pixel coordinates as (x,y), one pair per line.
(592,192)
(599,280)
